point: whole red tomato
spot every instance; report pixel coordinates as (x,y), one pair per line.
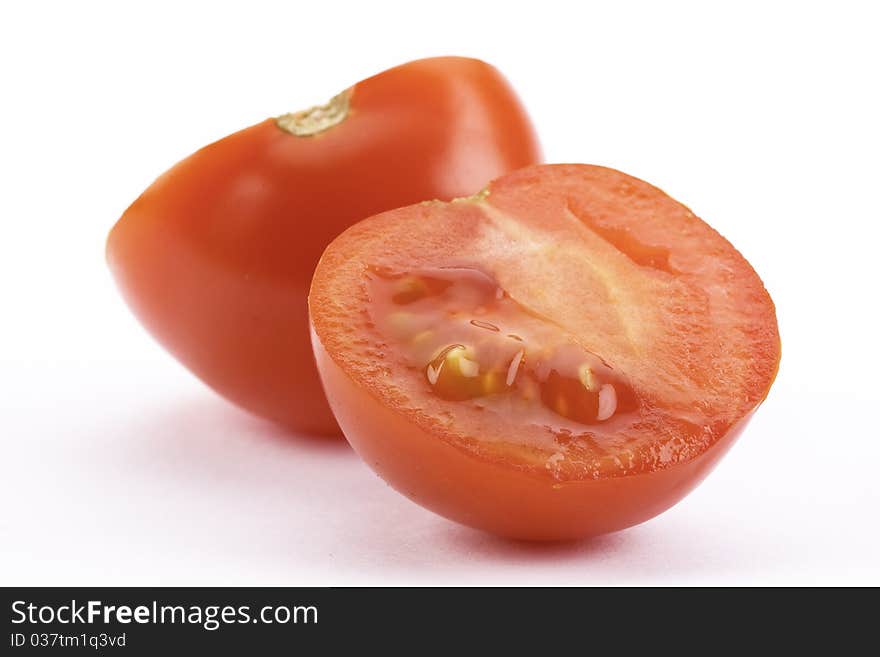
(216,256)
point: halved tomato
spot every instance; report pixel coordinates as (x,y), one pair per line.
(567,353)
(216,256)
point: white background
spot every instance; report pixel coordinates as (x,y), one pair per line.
(118,467)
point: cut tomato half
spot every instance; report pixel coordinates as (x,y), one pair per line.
(567,353)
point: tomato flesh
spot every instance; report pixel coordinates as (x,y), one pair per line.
(216,256)
(563,355)
(473,341)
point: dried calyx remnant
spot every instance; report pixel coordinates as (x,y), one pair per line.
(317,119)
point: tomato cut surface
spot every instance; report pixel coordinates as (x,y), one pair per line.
(216,256)
(565,354)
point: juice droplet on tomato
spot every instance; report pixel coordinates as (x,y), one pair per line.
(472,341)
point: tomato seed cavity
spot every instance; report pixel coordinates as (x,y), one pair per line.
(429,315)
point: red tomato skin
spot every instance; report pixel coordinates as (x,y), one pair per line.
(490,495)
(216,256)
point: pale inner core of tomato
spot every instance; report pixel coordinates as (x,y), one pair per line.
(472,342)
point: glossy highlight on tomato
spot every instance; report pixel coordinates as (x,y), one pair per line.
(566,354)
(216,256)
